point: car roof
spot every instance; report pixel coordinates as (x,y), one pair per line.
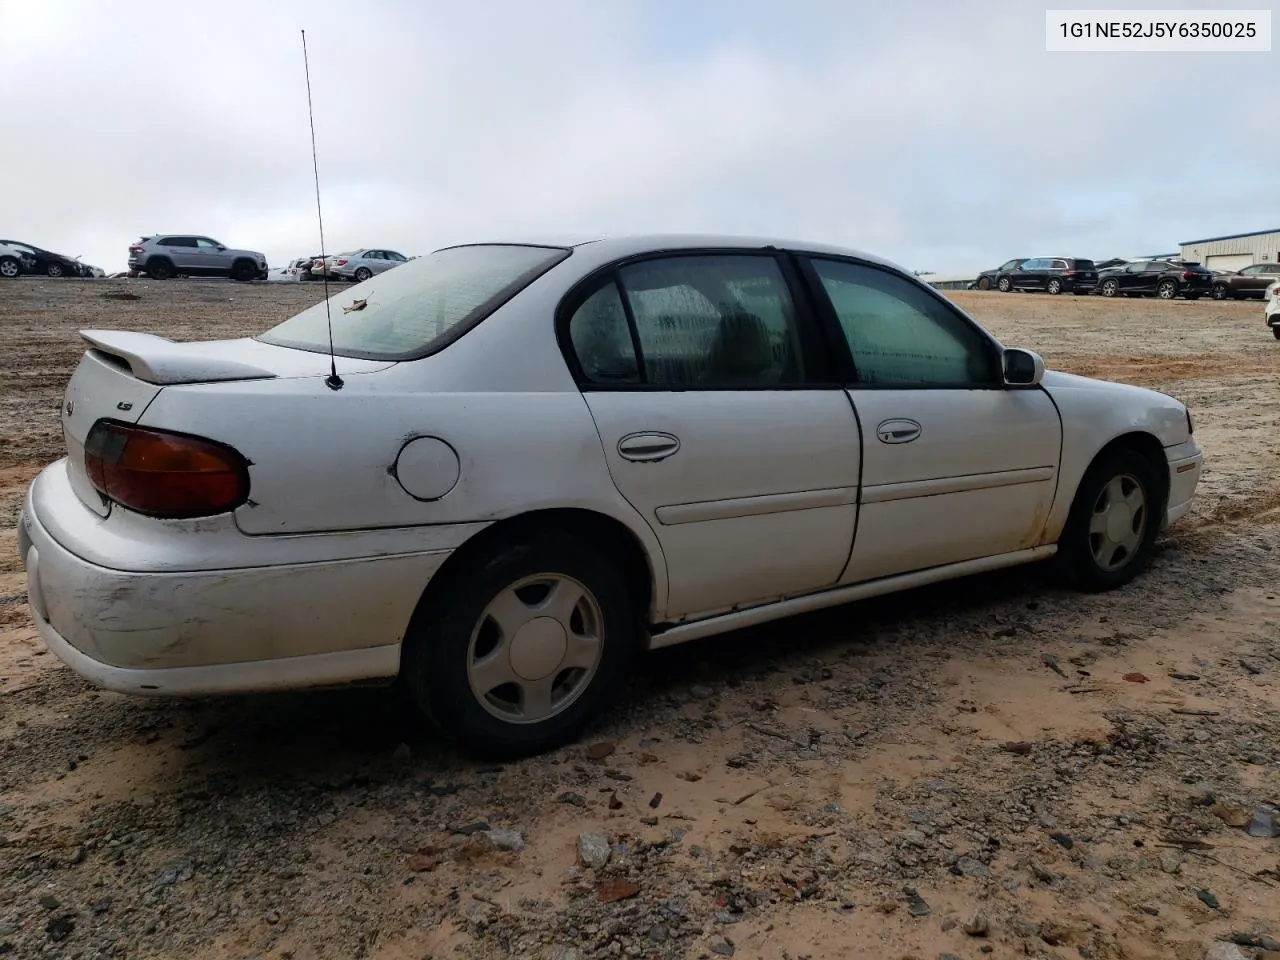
(626,245)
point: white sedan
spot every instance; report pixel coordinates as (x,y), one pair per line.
(524,464)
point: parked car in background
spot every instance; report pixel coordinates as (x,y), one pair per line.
(360,265)
(536,461)
(1251,281)
(1165,279)
(166,255)
(1051,274)
(323,266)
(41,261)
(989,278)
(12,262)
(302,267)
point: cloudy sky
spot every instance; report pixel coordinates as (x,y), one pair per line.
(940,135)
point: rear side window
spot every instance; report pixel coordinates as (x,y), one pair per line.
(708,321)
(178,242)
(416,310)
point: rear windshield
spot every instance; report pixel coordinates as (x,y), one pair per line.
(420,306)
(1084,264)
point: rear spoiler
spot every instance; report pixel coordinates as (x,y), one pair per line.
(156,360)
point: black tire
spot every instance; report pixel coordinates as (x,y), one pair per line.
(244,270)
(1076,546)
(1167,290)
(159,269)
(54,270)
(10,267)
(1109,288)
(984,283)
(1004,285)
(1220,292)
(438,646)
(363,274)
(1054,286)
(1276,332)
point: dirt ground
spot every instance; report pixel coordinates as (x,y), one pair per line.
(998,767)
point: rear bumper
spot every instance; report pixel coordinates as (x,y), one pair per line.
(240,629)
(1185,461)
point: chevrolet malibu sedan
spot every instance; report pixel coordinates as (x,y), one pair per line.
(521,465)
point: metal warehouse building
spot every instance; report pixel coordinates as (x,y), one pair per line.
(1234,251)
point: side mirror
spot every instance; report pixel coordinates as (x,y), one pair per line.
(1022,368)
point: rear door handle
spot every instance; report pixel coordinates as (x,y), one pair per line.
(647,447)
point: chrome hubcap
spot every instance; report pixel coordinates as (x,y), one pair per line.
(1118,523)
(535,648)
(9,269)
(1166,292)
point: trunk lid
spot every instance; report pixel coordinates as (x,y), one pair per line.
(122,372)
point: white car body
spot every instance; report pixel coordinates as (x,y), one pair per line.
(1272,308)
(770,502)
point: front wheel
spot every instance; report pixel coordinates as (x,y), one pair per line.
(1276,332)
(244,271)
(1167,290)
(1110,288)
(1110,534)
(1220,291)
(984,283)
(1004,285)
(518,653)
(54,270)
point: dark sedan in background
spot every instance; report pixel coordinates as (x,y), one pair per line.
(1251,281)
(1166,279)
(988,278)
(41,261)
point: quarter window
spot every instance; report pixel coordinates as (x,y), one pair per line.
(901,334)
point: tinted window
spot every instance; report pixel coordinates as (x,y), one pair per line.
(1270,268)
(901,334)
(178,242)
(601,338)
(1058,264)
(415,308)
(714,321)
(1011,265)
(1139,267)
(206,243)
(1084,264)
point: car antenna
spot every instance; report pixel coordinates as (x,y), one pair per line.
(332,381)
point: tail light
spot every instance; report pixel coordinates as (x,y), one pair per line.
(1188,275)
(342,262)
(164,474)
(1072,273)
(135,249)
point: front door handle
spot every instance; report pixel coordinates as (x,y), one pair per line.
(898,431)
(647,447)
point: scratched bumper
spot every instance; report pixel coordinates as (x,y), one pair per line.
(100,620)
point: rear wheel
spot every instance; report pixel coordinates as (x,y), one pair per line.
(1111,531)
(9,267)
(159,269)
(1166,290)
(1054,286)
(1220,291)
(1109,288)
(516,654)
